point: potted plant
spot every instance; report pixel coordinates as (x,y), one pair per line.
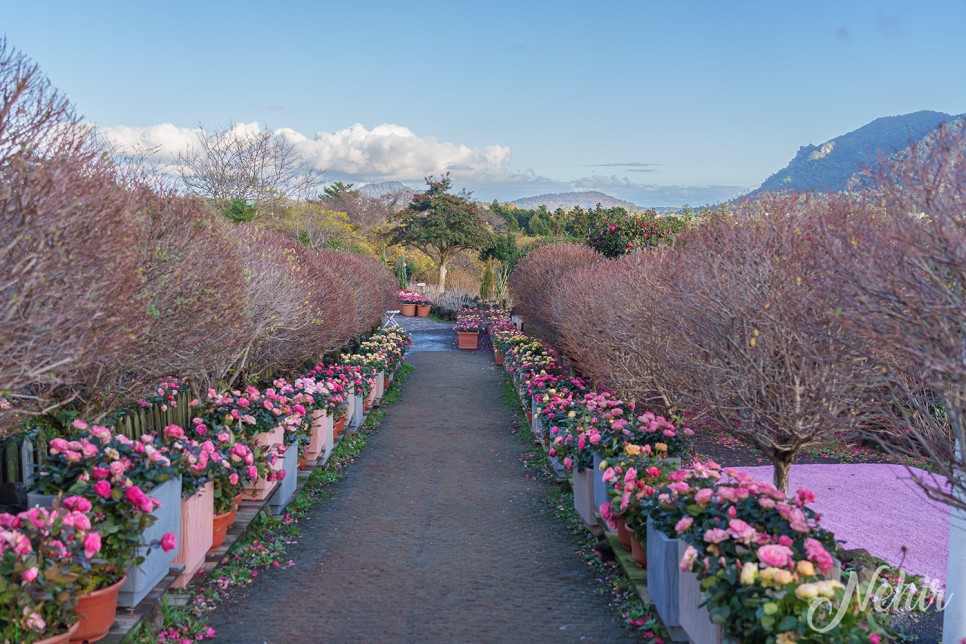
(116,473)
(408,301)
(469,323)
(45,555)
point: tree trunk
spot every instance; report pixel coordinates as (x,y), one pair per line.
(782,465)
(442,278)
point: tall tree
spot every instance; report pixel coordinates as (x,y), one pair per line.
(441,224)
(238,162)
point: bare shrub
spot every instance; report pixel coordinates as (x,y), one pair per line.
(761,334)
(534,282)
(193,291)
(67,262)
(901,263)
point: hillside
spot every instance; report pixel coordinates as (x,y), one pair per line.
(829,166)
(567,200)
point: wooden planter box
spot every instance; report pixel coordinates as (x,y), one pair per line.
(197,515)
(694,617)
(380,387)
(143,578)
(663,576)
(583,484)
(469,340)
(263,487)
(286,487)
(408,310)
(601,492)
(316,435)
(423,310)
(356,417)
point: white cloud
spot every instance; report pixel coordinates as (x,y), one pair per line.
(385,152)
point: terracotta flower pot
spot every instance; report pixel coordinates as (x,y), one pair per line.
(498,356)
(623,534)
(469,340)
(409,310)
(423,310)
(220,524)
(303,462)
(238,499)
(316,436)
(638,552)
(339,427)
(96,613)
(61,638)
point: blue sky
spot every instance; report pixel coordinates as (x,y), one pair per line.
(661,103)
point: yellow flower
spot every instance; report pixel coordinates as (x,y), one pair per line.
(805,568)
(661,447)
(786,638)
(749,572)
(807,591)
(826,587)
(603,466)
(633,450)
(571,414)
(768,574)
(783,577)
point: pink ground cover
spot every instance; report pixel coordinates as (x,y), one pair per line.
(876,507)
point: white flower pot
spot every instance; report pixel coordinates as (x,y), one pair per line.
(663,579)
(583,484)
(693,617)
(143,578)
(286,487)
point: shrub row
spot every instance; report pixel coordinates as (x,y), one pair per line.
(110,282)
(789,320)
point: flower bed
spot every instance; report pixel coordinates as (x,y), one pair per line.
(758,559)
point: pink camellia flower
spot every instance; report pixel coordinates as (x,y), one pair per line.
(233,478)
(741,531)
(100,472)
(716,535)
(775,555)
(79,424)
(704,495)
(134,494)
(683,524)
(168,542)
(36,623)
(766,502)
(174,431)
(223,437)
(252,472)
(679,487)
(818,555)
(678,475)
(568,463)
(653,471)
(687,561)
(804,496)
(58,446)
(30,574)
(77,503)
(92,544)
(102,489)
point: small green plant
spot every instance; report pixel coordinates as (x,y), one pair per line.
(240,211)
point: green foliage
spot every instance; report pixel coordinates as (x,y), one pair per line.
(487,286)
(240,211)
(440,224)
(402,273)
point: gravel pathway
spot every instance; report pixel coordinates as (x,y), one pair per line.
(435,535)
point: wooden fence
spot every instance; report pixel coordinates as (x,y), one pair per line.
(20,453)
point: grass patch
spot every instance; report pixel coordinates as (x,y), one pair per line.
(264,547)
(611,581)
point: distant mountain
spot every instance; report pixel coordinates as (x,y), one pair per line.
(387,189)
(829,166)
(568,200)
